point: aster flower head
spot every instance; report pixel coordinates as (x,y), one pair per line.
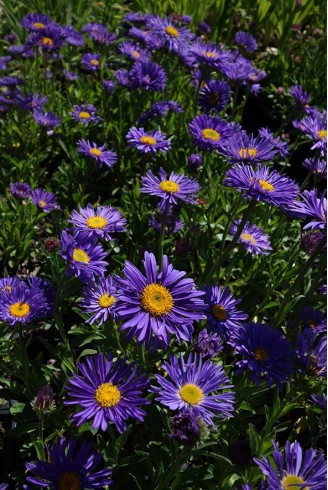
(46,290)
(171,190)
(99,33)
(207,345)
(173,35)
(72,77)
(20,305)
(32,102)
(319,400)
(185,427)
(126,79)
(315,126)
(7,284)
(262,184)
(134,51)
(173,223)
(44,402)
(91,62)
(301,97)
(195,161)
(209,132)
(214,96)
(85,257)
(85,114)
(311,353)
(192,384)
(44,200)
(20,189)
(253,238)
(203,27)
(246,40)
(221,312)
(10,81)
(311,206)
(299,470)
(314,319)
(248,149)
(160,108)
(48,39)
(107,391)
(266,352)
(279,146)
(98,153)
(209,54)
(72,36)
(149,76)
(317,166)
(47,120)
(4,60)
(99,298)
(69,465)
(238,70)
(148,141)
(98,223)
(36,22)
(158,304)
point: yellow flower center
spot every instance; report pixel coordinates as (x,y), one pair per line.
(95,151)
(84,115)
(7,288)
(322,133)
(39,25)
(42,203)
(248,238)
(213,98)
(108,395)
(219,312)
(169,186)
(105,301)
(260,354)
(209,54)
(191,394)
(19,310)
(290,481)
(80,256)
(156,300)
(46,41)
(96,222)
(266,186)
(247,152)
(171,31)
(135,53)
(211,134)
(69,481)
(94,62)
(148,140)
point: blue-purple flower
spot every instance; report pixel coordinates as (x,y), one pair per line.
(99,153)
(148,76)
(185,427)
(99,298)
(209,132)
(91,62)
(85,114)
(107,391)
(209,54)
(311,206)
(314,319)
(172,35)
(46,119)
(279,146)
(315,126)
(148,141)
(248,149)
(99,33)
(246,40)
(98,223)
(214,96)
(134,51)
(317,166)
(253,238)
(36,22)
(20,305)
(311,353)
(207,345)
(44,199)
(319,400)
(20,189)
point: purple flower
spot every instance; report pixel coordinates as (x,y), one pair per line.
(262,184)
(44,199)
(173,223)
(99,223)
(9,81)
(109,85)
(314,319)
(171,190)
(311,240)
(253,238)
(44,402)
(185,427)
(72,36)
(311,206)
(126,79)
(20,189)
(4,60)
(99,33)
(207,345)
(70,75)
(246,40)
(301,97)
(148,76)
(158,304)
(244,148)
(192,385)
(49,39)
(299,471)
(99,298)
(36,22)
(195,160)
(85,114)
(85,257)
(209,132)
(160,108)
(265,351)
(91,62)
(20,305)
(319,400)
(315,126)
(214,96)
(133,51)
(98,153)
(46,119)
(311,354)
(8,284)
(69,465)
(203,27)
(151,141)
(279,146)
(32,102)
(239,70)
(318,166)
(222,315)
(209,54)
(168,30)
(107,392)
(136,17)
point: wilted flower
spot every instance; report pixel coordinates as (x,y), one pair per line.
(44,402)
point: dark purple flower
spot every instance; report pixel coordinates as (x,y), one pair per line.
(36,22)
(99,33)
(203,27)
(32,102)
(44,200)
(44,402)
(311,240)
(133,51)
(173,35)
(109,85)
(195,160)
(70,76)
(160,108)
(318,167)
(314,319)
(72,36)
(280,146)
(126,79)
(246,40)
(46,119)
(85,114)
(98,153)
(10,81)
(311,353)
(4,60)
(20,305)
(91,62)
(49,39)
(20,189)
(208,345)
(315,126)
(214,96)
(173,223)
(311,206)
(185,427)
(319,400)
(209,132)
(248,149)
(209,54)
(253,238)
(151,141)
(238,70)
(149,76)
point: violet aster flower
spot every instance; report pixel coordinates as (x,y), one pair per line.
(195,161)
(9,81)
(266,352)
(91,62)
(311,240)
(158,304)
(238,70)
(253,238)
(20,305)
(173,223)
(20,189)
(107,391)
(98,223)
(317,166)
(126,79)
(72,36)
(300,470)
(315,126)
(69,465)
(246,40)
(149,76)
(4,486)
(85,114)
(168,30)
(148,141)
(160,108)
(4,60)
(192,385)
(262,184)
(36,22)
(44,401)
(207,345)
(311,206)
(99,298)
(136,17)
(72,77)
(170,189)
(311,354)
(314,319)
(99,33)
(203,27)
(209,132)
(48,39)
(44,199)
(209,54)
(7,284)
(319,400)
(222,314)
(185,427)
(31,102)
(245,148)
(134,51)
(280,146)
(85,257)
(109,86)
(46,119)
(214,96)
(301,97)
(46,291)
(98,153)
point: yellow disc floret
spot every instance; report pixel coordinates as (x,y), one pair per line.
(191,394)
(322,133)
(219,312)
(247,237)
(106,301)
(211,134)
(291,482)
(148,140)
(156,300)
(94,62)
(42,203)
(108,395)
(95,151)
(171,31)
(266,186)
(169,186)
(84,115)
(96,222)
(247,152)
(69,481)
(38,25)
(46,41)
(19,310)
(81,256)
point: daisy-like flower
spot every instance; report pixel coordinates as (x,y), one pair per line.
(311,354)
(91,62)
(214,96)
(109,86)
(158,304)
(318,167)
(99,298)
(170,189)
(245,148)
(46,119)
(126,79)
(192,385)
(20,189)
(20,305)
(98,153)
(149,76)
(72,36)
(173,223)
(186,427)
(319,400)
(315,126)
(148,141)
(107,392)
(98,223)
(279,146)
(311,206)
(301,97)
(72,77)
(266,352)
(36,22)
(314,319)
(134,51)
(168,30)
(10,283)
(85,114)
(209,54)
(300,471)
(44,200)
(69,465)
(253,238)
(160,108)
(246,40)
(209,132)
(222,314)
(48,39)
(85,257)
(31,102)
(262,184)
(99,33)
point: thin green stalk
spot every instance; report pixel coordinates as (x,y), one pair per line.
(57,313)
(41,437)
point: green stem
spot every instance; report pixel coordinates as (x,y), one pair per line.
(172,470)
(41,437)
(57,312)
